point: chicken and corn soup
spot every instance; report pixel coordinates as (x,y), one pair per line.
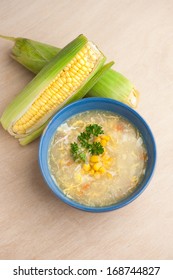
(97,158)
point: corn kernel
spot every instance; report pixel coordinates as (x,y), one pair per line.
(63,79)
(82,62)
(91,53)
(63,73)
(102,170)
(103,142)
(65,89)
(93,57)
(75,81)
(69,65)
(84,68)
(74,59)
(105,137)
(35,106)
(47,106)
(84,50)
(56,87)
(75,68)
(66,86)
(86,167)
(78,65)
(69,80)
(30,114)
(87,64)
(78,56)
(49,102)
(66,68)
(97,166)
(81,54)
(107,163)
(77,78)
(81,72)
(94,158)
(105,157)
(67,74)
(92,65)
(92,172)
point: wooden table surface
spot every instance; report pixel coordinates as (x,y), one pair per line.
(34,224)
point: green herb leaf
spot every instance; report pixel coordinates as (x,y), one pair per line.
(76,152)
(82,156)
(94,129)
(96,149)
(83,139)
(74,149)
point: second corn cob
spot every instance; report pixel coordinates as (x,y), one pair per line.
(35,55)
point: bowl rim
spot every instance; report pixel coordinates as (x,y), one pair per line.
(55,188)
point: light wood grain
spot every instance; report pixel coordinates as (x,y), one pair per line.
(138,35)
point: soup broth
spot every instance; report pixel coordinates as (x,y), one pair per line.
(98,179)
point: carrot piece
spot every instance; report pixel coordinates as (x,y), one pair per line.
(119,127)
(85,187)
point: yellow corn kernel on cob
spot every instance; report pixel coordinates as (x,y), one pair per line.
(66,78)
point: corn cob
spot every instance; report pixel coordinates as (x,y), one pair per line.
(35,134)
(34,55)
(115,82)
(64,79)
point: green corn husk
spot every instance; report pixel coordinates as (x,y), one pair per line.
(34,55)
(116,82)
(48,73)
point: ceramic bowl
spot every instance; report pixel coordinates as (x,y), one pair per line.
(104,104)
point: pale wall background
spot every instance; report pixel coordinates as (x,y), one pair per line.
(138,35)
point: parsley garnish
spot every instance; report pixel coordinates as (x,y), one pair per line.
(96,149)
(86,143)
(83,139)
(76,152)
(94,129)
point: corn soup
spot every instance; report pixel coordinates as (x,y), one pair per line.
(97,158)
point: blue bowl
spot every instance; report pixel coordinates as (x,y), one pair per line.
(104,104)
